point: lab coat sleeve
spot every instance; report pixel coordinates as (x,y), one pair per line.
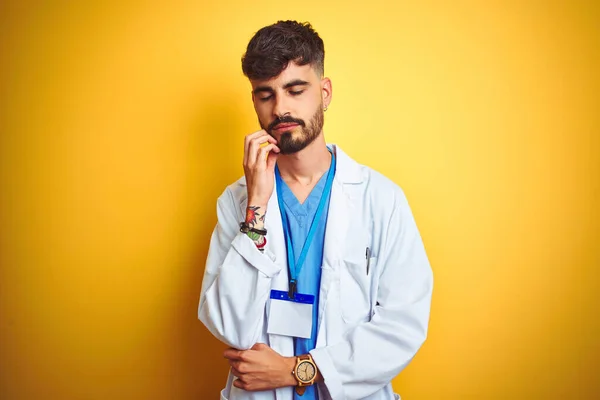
(236,283)
(371,354)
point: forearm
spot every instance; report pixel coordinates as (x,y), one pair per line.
(261,368)
(255,221)
(236,284)
(232,307)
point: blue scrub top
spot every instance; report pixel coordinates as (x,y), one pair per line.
(300,217)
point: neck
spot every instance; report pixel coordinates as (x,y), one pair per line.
(306,166)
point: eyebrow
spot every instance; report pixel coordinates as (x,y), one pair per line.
(296,82)
(269,89)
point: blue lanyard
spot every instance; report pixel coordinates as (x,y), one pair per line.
(295,268)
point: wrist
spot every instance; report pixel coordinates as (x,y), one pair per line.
(255,215)
(256,224)
(290,366)
(262,205)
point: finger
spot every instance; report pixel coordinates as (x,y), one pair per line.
(238,383)
(236,373)
(251,136)
(255,146)
(260,346)
(233,354)
(272,139)
(248,139)
(272,160)
(245,383)
(264,152)
(237,365)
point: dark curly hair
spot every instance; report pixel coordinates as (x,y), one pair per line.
(272,48)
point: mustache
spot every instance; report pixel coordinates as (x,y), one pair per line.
(285,120)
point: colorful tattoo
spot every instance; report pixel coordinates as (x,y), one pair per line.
(253,216)
(256,219)
(254,236)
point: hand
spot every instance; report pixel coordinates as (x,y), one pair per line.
(261,368)
(259,167)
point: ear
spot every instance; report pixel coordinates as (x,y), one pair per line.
(326,91)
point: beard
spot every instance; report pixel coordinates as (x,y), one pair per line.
(290,145)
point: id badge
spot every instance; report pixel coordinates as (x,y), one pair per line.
(290,317)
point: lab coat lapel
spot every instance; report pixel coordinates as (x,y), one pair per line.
(276,245)
(335,238)
(276,241)
(337,225)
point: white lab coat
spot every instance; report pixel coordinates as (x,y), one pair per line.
(370,325)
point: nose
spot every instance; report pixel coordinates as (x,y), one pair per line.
(281,107)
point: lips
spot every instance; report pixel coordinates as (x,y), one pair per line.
(284,126)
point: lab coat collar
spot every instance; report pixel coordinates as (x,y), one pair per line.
(348,170)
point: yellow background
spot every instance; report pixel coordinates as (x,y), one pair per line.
(121,124)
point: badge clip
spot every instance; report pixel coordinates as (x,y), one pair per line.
(292,289)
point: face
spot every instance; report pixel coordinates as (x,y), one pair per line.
(290,106)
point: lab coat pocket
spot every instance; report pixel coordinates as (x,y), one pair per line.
(355,289)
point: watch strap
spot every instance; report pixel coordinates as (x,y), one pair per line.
(301,387)
(300,390)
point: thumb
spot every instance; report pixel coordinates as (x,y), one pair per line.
(272,160)
(260,346)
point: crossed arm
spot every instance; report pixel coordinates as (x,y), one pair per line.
(261,368)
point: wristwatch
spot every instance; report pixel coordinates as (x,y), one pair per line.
(305,372)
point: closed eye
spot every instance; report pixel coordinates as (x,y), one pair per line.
(296,92)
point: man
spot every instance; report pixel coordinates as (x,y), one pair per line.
(316,276)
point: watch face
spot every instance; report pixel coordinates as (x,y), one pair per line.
(306,371)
